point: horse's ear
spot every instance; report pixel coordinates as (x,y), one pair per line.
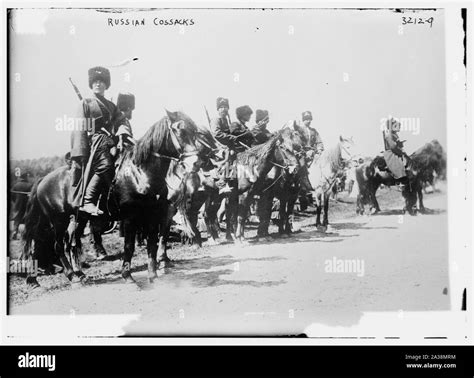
(173,116)
(341,138)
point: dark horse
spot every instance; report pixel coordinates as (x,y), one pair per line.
(257,170)
(285,188)
(422,164)
(138,197)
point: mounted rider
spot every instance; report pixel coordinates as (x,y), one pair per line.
(221,127)
(395,157)
(92,143)
(260,132)
(125,104)
(315,143)
(244,136)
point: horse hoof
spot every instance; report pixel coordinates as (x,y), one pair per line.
(32,283)
(241,242)
(127,276)
(165,263)
(212,242)
(152,277)
(284,236)
(75,280)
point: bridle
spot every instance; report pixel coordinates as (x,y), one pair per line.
(177,146)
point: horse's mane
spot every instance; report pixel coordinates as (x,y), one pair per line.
(157,135)
(431,155)
(258,154)
(332,157)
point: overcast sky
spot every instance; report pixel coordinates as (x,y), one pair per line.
(350,68)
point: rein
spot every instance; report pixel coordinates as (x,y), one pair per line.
(177,146)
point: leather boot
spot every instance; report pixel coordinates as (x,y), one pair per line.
(91,196)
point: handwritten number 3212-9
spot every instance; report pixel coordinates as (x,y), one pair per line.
(417,20)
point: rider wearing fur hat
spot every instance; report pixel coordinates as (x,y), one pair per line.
(260,132)
(91,143)
(314,139)
(244,137)
(126,104)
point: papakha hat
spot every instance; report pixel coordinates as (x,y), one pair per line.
(307,116)
(99,73)
(243,110)
(221,102)
(125,101)
(260,115)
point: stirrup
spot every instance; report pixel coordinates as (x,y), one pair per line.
(90,208)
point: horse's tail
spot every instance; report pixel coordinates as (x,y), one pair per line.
(183,204)
(37,228)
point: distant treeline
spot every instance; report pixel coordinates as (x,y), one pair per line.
(34,167)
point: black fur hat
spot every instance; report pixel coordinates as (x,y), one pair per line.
(221,101)
(243,110)
(307,116)
(99,73)
(125,101)
(260,115)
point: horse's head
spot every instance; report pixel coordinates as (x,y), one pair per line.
(291,143)
(346,145)
(183,139)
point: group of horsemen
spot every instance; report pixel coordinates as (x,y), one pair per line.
(93,150)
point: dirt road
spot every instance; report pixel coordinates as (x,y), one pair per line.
(387,262)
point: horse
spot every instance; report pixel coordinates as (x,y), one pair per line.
(423,164)
(189,192)
(323,174)
(258,168)
(286,190)
(137,196)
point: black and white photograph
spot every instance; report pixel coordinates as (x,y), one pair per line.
(238,172)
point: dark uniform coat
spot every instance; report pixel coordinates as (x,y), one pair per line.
(315,140)
(222,133)
(261,134)
(238,128)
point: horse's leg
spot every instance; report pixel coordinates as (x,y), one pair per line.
(194,204)
(129,229)
(210,216)
(242,212)
(96,226)
(232,203)
(326,210)
(318,210)
(289,211)
(420,200)
(264,212)
(283,213)
(168,211)
(151,224)
(76,250)
(60,226)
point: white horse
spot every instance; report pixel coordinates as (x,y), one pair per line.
(323,173)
